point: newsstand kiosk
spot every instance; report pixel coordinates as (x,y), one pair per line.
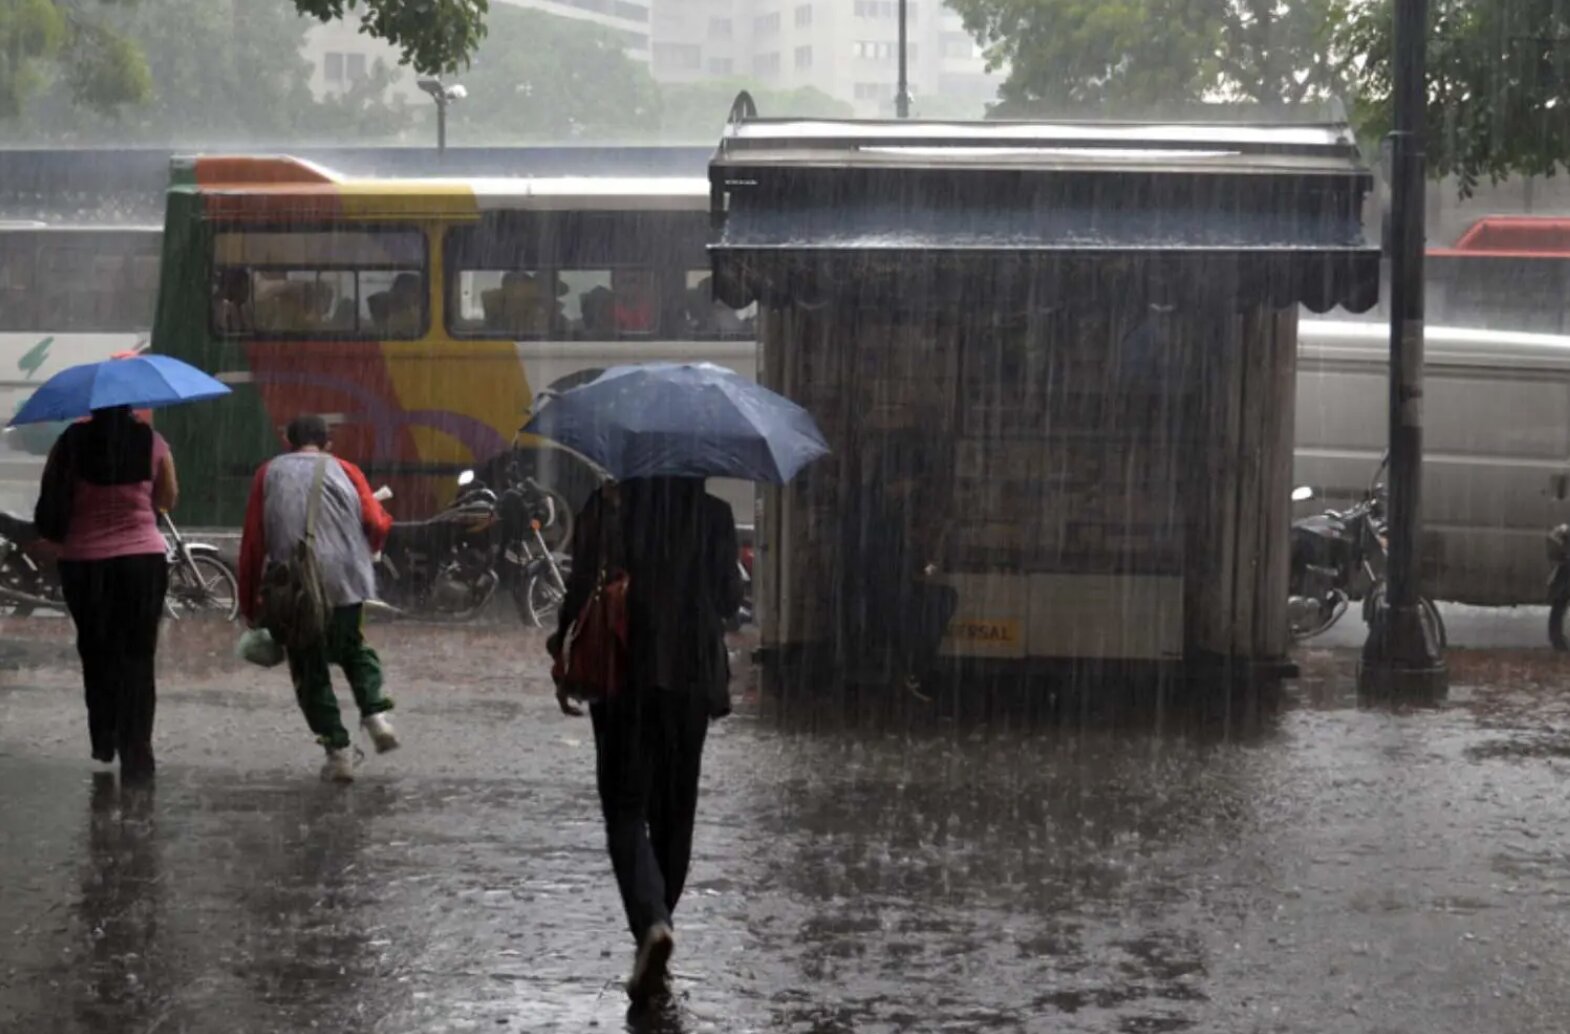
(1056,365)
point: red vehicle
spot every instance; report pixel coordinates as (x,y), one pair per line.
(1505,273)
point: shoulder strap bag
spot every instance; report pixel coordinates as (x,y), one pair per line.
(592,662)
(294,605)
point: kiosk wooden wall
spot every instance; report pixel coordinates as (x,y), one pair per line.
(1118,482)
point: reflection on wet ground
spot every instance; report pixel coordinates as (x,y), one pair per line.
(1344,868)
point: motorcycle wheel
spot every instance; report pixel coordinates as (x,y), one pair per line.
(1328,617)
(471,612)
(15,574)
(539,600)
(1429,609)
(1556,624)
(211,588)
(1432,611)
(558,537)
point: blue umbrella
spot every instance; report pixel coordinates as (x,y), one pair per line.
(143,382)
(682,420)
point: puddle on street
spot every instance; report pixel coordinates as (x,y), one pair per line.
(1374,870)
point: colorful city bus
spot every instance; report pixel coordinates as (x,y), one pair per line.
(68,295)
(423,318)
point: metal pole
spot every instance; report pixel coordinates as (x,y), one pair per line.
(441,125)
(1402,654)
(902,98)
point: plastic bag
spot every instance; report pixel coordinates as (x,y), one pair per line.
(257,646)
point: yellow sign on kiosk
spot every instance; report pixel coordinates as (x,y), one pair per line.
(1008,632)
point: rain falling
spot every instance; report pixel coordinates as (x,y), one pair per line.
(784,515)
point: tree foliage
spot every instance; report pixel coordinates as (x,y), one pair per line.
(1498,86)
(434,37)
(1131,54)
(105,69)
(540,76)
(220,72)
(81,45)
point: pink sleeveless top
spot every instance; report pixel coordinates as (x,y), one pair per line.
(110,521)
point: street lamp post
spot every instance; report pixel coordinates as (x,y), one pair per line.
(443,95)
(902,98)
(1402,655)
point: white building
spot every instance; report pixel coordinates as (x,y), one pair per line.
(632,20)
(700,39)
(849,49)
(846,48)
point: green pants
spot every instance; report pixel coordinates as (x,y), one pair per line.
(344,646)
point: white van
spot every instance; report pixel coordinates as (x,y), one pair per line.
(1496,469)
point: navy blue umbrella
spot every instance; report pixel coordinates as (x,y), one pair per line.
(682,420)
(142,382)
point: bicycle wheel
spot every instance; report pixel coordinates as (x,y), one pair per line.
(204,586)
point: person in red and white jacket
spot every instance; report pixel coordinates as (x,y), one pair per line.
(351,526)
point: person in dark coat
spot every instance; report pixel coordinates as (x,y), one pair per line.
(898,606)
(906,608)
(678,546)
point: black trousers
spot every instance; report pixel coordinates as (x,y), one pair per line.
(116,605)
(933,608)
(650,750)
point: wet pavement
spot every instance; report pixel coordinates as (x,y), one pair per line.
(1341,869)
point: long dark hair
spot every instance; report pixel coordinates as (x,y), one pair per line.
(113,448)
(663,508)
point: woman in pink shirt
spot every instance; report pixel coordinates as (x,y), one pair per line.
(103,487)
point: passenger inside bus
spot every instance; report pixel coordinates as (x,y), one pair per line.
(522,305)
(598,306)
(707,316)
(291,306)
(233,312)
(637,303)
(398,311)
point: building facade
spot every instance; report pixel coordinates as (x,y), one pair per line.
(849,49)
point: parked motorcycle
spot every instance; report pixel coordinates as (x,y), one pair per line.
(1559,586)
(451,566)
(518,468)
(200,581)
(1339,557)
(443,567)
(537,570)
(28,579)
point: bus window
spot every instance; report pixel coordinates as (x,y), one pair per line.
(707,317)
(334,283)
(518,303)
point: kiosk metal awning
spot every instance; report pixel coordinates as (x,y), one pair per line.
(1262,214)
